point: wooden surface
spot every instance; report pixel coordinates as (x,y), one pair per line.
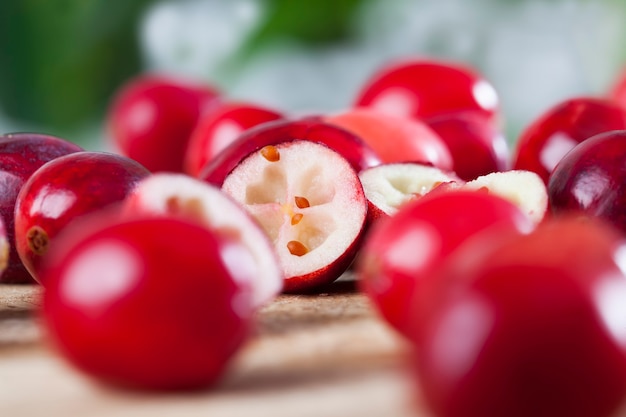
(319,355)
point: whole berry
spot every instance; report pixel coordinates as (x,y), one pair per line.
(20,155)
(151,119)
(156,303)
(63,190)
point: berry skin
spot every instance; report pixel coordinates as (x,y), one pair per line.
(529,327)
(219,128)
(356,151)
(172,194)
(155,303)
(477,146)
(424,88)
(404,251)
(591,179)
(64,189)
(395,139)
(543,144)
(21,154)
(152,117)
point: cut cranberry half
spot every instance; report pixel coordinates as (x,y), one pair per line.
(310,202)
(350,146)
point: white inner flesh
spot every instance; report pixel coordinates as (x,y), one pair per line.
(164,193)
(523,188)
(306,169)
(389,186)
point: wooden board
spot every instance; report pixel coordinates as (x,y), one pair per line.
(316,355)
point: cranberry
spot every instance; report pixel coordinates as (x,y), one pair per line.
(310,202)
(4,248)
(351,147)
(543,143)
(64,189)
(175,194)
(395,139)
(408,248)
(423,88)
(20,155)
(477,146)
(152,117)
(150,302)
(389,186)
(532,326)
(591,179)
(219,128)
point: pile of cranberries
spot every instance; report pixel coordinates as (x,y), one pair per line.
(505,269)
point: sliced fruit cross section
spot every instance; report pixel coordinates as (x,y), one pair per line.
(388,186)
(523,188)
(310,202)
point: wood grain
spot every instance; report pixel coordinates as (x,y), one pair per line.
(316,355)
(18,306)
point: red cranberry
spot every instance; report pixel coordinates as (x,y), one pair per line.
(477,146)
(542,144)
(532,326)
(423,88)
(591,179)
(64,189)
(149,302)
(410,247)
(351,147)
(20,155)
(219,128)
(152,118)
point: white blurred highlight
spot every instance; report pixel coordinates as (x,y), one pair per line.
(460,337)
(610,296)
(194,37)
(112,265)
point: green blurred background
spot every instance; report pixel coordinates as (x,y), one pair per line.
(62,60)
